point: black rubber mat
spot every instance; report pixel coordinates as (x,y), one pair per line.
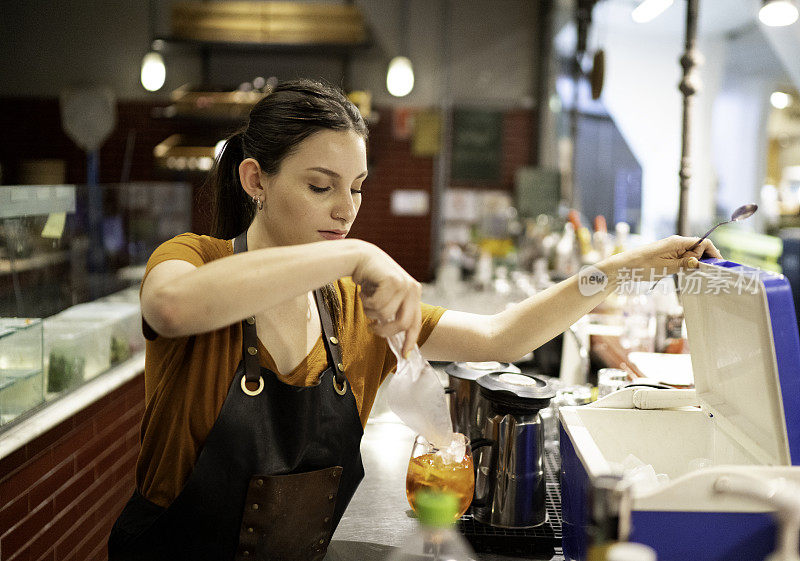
(542,542)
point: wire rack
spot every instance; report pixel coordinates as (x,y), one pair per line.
(542,542)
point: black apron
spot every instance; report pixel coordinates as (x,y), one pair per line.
(273,478)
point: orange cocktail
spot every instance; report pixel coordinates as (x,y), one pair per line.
(430,470)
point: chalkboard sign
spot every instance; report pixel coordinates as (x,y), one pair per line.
(477,145)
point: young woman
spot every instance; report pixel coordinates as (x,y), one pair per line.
(266,342)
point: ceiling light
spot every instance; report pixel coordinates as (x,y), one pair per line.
(154,73)
(649,10)
(400,77)
(780,100)
(778,13)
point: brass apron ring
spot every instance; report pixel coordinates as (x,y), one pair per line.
(343,387)
(252,392)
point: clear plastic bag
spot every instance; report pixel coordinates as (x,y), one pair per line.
(417,397)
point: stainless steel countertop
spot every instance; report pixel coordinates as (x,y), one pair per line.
(378,518)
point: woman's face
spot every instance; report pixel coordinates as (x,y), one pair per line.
(316,193)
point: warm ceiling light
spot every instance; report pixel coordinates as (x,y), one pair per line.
(400,77)
(154,73)
(778,13)
(650,10)
(780,100)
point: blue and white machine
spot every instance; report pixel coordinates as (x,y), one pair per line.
(745,423)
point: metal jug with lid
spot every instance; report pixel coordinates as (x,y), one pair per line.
(510,479)
(463,392)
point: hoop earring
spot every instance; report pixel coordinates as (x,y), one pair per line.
(258,202)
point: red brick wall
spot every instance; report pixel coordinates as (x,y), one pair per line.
(392,166)
(60,493)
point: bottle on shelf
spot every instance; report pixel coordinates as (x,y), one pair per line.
(621,231)
(600,239)
(669,320)
(565,261)
(584,238)
(436,537)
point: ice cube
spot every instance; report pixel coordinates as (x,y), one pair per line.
(632,462)
(642,479)
(455,451)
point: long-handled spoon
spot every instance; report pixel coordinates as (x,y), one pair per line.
(741,213)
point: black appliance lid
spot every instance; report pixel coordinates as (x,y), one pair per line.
(474,370)
(516,391)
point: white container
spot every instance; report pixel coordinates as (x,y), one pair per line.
(75,350)
(746,361)
(122,319)
(21,379)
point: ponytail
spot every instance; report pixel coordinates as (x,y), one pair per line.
(232,210)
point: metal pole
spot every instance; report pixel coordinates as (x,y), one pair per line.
(441,168)
(689,86)
(544,39)
(583,16)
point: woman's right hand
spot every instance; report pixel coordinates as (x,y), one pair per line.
(389,295)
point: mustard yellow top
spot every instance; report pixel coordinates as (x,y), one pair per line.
(187,378)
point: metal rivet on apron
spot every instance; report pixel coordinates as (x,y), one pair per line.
(250,530)
(334,340)
(334,474)
(340,366)
(255,506)
(327,519)
(321,542)
(330,497)
(251,320)
(252,350)
(259,482)
(246,553)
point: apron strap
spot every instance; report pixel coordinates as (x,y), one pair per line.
(252,372)
(332,344)
(250,335)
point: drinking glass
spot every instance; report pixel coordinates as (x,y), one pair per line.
(427,469)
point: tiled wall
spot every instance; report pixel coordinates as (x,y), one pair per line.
(33,130)
(60,494)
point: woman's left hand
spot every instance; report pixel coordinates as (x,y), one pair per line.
(665,257)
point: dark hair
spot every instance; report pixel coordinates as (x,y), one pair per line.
(277,124)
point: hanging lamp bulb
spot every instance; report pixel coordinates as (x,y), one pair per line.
(154,73)
(649,10)
(400,77)
(778,13)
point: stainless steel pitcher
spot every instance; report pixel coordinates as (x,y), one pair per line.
(510,479)
(463,393)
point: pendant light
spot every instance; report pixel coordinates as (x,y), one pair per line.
(154,72)
(400,74)
(649,10)
(778,13)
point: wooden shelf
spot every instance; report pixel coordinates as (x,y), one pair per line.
(35,262)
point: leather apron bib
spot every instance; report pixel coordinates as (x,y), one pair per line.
(273,478)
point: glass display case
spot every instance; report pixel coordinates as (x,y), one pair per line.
(21,366)
(81,277)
